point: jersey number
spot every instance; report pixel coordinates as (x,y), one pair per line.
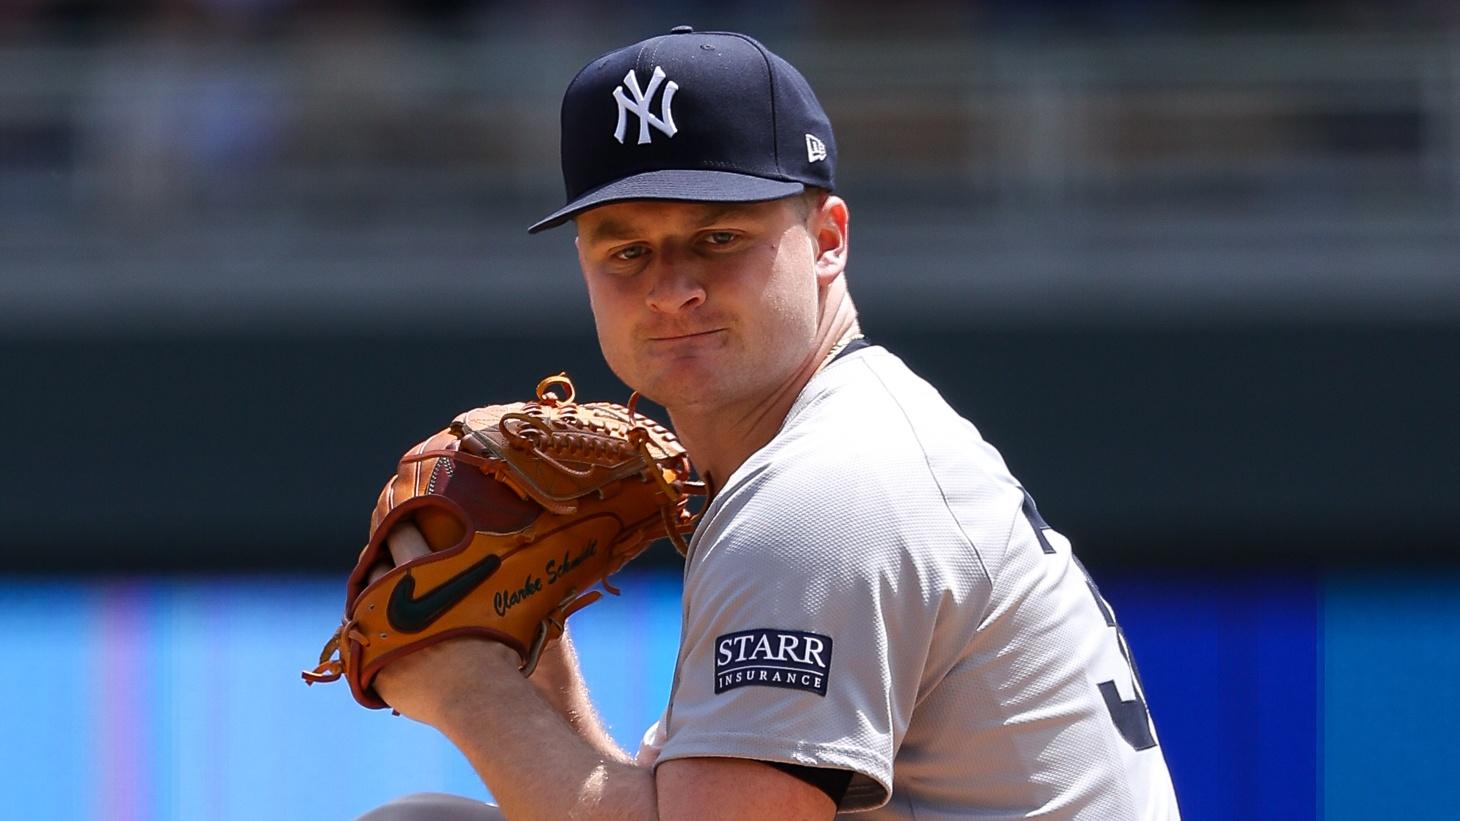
(1132,718)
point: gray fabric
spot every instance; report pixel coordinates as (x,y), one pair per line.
(868,593)
(433,806)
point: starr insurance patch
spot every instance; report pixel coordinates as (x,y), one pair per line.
(771,657)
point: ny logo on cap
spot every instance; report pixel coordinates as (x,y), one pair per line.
(640,105)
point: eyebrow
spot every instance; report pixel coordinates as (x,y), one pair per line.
(609,229)
(713,213)
(612,229)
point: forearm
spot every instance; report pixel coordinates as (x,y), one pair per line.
(537,765)
(559,680)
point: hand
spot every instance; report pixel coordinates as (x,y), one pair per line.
(422,684)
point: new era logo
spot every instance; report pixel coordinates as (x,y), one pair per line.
(815,149)
(640,105)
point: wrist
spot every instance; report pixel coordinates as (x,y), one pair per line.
(557,666)
(465,679)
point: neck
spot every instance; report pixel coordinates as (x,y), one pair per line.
(720,439)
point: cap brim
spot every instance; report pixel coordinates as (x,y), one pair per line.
(675,184)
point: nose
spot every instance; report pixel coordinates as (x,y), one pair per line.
(677,284)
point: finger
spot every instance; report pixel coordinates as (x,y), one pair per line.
(380,569)
(406,544)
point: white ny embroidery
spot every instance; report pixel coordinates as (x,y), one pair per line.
(640,105)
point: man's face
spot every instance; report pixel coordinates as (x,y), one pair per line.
(701,304)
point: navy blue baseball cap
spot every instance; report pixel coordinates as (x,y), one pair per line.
(697,116)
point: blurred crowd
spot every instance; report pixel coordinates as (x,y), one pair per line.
(180,102)
(272,127)
(103,18)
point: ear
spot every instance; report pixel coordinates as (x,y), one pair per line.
(829,226)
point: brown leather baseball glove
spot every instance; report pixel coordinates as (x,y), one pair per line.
(525,507)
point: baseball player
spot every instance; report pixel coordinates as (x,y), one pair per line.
(876,617)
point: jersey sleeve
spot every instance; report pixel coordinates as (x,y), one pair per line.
(807,633)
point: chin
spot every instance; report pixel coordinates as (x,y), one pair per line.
(673,393)
(683,387)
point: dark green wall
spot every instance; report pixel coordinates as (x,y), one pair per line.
(1210,445)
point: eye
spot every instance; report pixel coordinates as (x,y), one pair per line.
(721,238)
(630,253)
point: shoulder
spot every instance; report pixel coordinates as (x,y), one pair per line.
(871,462)
(870,412)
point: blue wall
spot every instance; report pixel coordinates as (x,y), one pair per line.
(1275,697)
(1391,696)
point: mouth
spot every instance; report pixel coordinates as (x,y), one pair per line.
(682,337)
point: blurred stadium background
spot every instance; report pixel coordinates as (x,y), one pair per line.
(1193,266)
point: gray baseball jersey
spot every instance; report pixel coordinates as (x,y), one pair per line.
(872,591)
